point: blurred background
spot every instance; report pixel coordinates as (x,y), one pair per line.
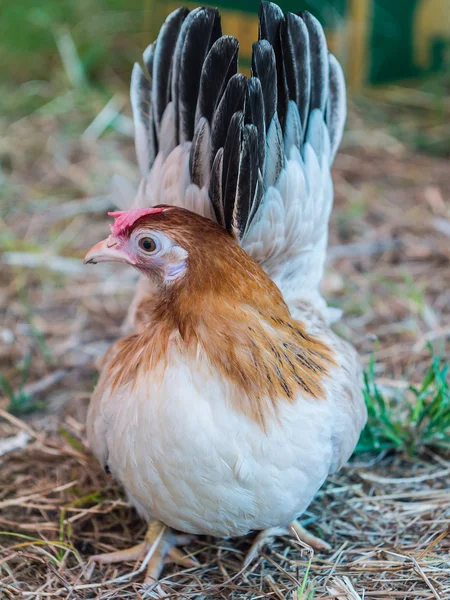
(66,128)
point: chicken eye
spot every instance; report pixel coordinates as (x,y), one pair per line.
(147,244)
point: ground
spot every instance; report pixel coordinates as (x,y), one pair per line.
(386,515)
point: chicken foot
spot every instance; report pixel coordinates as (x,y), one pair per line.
(161,542)
(295,529)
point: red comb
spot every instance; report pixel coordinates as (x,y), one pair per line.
(123,219)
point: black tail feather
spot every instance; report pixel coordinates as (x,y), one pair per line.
(215,187)
(274,153)
(220,65)
(270,19)
(200,153)
(231,160)
(146,140)
(178,64)
(257,199)
(161,67)
(254,113)
(204,29)
(319,63)
(265,69)
(296,61)
(247,179)
(336,113)
(233,100)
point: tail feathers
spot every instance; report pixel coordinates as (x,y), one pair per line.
(158,69)
(255,152)
(144,133)
(264,68)
(336,113)
(297,67)
(220,65)
(290,233)
(319,62)
(198,33)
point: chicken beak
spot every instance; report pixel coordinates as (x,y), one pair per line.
(107,251)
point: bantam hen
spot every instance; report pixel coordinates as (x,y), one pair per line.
(231,400)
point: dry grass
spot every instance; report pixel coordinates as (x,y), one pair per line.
(387,517)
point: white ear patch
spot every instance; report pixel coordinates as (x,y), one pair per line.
(177,263)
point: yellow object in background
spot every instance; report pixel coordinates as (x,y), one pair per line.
(376,41)
(431,23)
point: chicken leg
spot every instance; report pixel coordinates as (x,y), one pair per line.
(160,541)
(295,529)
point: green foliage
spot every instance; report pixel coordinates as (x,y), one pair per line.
(305,591)
(421,419)
(20,402)
(104,32)
(65,528)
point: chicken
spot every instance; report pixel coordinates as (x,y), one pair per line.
(230,400)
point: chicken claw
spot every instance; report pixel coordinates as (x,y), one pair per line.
(160,543)
(295,529)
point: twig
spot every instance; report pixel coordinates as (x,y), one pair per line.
(62,264)
(108,113)
(362,249)
(46,382)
